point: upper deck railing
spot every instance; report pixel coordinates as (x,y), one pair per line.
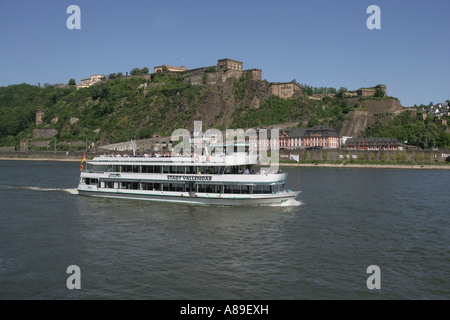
(194,159)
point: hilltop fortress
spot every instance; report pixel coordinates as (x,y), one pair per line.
(229,68)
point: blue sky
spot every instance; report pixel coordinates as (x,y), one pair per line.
(319,43)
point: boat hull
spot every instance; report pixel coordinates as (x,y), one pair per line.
(217,200)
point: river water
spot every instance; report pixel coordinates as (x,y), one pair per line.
(346,220)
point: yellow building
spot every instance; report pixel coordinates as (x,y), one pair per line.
(285,90)
(85,83)
(169,68)
(230,64)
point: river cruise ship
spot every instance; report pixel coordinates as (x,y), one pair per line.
(216,179)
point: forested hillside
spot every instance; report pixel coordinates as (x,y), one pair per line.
(138,107)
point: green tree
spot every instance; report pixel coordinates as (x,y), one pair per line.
(72,82)
(135,71)
(211,69)
(378,92)
(341,92)
(313,121)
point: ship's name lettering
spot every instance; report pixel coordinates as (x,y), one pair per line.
(190,178)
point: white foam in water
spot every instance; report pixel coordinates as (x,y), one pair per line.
(41,189)
(288,203)
(71,191)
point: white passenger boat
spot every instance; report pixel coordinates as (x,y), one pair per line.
(216,179)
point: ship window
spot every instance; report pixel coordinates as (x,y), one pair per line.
(180,169)
(147,169)
(127,168)
(176,169)
(129,185)
(146,186)
(91,181)
(179,187)
(190,170)
(109,184)
(232,170)
(236,189)
(166,169)
(201,169)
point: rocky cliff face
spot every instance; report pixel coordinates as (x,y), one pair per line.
(359,121)
(382,106)
(367,114)
(223,98)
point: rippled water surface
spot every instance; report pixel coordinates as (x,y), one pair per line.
(346,220)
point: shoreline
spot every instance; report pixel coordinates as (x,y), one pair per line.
(373,166)
(318,165)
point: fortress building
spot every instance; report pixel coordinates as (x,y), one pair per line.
(169,68)
(85,83)
(286,90)
(39,116)
(230,64)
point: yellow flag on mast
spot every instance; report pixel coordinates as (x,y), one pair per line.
(82,161)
